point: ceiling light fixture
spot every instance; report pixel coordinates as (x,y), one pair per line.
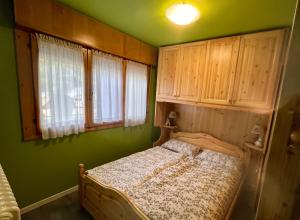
(182,14)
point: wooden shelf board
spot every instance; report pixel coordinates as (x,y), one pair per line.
(169,127)
(225,107)
(252,146)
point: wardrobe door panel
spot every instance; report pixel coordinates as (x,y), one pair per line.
(192,67)
(220,71)
(258,69)
(168,68)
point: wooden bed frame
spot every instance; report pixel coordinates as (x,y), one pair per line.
(105,202)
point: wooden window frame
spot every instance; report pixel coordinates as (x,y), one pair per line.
(32,86)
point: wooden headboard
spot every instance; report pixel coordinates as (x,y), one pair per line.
(206,141)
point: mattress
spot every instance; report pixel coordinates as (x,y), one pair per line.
(168,185)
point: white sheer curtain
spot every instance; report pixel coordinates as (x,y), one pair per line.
(136,94)
(107,80)
(61,87)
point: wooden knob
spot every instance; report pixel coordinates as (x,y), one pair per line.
(295,138)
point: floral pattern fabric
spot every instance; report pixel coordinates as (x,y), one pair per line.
(181,147)
(129,171)
(165,185)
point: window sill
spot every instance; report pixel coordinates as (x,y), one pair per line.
(97,127)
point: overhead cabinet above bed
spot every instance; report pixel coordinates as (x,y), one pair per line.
(239,71)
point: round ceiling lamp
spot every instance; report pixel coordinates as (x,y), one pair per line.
(182,14)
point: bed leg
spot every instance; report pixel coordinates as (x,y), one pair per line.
(81,174)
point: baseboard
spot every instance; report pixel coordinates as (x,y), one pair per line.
(49,199)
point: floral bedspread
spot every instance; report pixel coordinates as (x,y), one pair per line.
(167,185)
(127,172)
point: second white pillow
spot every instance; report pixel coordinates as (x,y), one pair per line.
(181,147)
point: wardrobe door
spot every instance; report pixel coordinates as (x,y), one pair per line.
(220,70)
(191,74)
(167,70)
(258,69)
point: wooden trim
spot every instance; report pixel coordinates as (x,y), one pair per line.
(91,191)
(48,200)
(124,87)
(88,88)
(26,85)
(96,127)
(206,141)
(149,78)
(71,25)
(217,106)
(35,66)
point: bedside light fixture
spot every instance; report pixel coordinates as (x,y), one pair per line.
(182,14)
(260,132)
(171,120)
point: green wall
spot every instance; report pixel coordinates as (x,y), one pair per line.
(146,20)
(39,169)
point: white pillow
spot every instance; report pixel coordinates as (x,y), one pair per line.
(181,147)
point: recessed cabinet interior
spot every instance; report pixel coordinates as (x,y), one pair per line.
(240,71)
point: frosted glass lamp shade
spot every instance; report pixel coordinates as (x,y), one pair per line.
(182,14)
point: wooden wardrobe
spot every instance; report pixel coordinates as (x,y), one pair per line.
(223,87)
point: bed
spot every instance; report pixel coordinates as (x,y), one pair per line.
(160,183)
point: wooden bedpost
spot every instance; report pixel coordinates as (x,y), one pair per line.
(164,136)
(81,174)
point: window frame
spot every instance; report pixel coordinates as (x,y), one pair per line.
(87,56)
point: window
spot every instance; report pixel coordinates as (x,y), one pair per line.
(136,94)
(60,87)
(66,88)
(107,80)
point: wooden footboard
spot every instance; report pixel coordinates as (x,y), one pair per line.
(104,202)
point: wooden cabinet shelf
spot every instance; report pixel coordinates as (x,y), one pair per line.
(169,127)
(253,147)
(240,72)
(216,106)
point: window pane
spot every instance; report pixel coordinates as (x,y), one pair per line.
(107,88)
(61,87)
(136,94)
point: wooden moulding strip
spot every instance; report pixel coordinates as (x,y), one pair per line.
(55,19)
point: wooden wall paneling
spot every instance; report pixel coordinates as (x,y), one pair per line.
(220,70)
(253,178)
(52,18)
(231,126)
(167,71)
(26,85)
(259,69)
(148,54)
(162,109)
(191,71)
(132,47)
